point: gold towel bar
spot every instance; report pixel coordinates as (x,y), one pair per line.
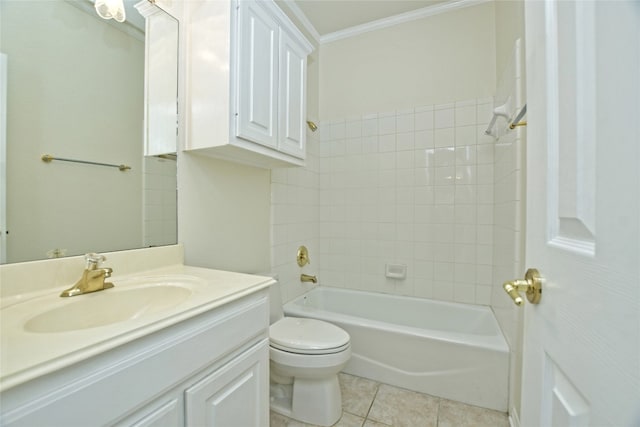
(48,158)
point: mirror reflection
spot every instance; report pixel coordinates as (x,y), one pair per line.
(75,90)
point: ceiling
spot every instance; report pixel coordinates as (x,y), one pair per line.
(330,16)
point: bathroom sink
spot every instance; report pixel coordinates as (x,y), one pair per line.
(107,307)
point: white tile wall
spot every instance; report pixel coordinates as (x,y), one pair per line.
(295,218)
(414,187)
(508,170)
(160,202)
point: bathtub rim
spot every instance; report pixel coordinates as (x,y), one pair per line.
(494,342)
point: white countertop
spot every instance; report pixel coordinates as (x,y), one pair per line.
(27,355)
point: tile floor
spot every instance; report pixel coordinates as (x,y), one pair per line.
(367,403)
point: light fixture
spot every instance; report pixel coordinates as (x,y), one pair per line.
(108,9)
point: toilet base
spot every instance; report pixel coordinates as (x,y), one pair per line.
(280,398)
(313,401)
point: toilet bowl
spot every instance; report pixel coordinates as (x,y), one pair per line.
(306,356)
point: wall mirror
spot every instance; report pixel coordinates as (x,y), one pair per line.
(74,88)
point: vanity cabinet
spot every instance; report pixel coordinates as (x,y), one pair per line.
(209,370)
(231,395)
(247,102)
(164,413)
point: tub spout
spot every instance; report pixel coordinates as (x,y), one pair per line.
(308,278)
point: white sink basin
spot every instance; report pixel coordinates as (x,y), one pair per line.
(107,307)
(41,333)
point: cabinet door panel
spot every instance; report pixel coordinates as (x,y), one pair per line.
(235,395)
(257,75)
(292,106)
(167,415)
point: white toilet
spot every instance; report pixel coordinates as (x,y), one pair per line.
(306,356)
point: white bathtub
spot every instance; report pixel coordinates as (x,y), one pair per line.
(455,351)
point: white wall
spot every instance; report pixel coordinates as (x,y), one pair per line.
(509,19)
(224,214)
(64,205)
(434,60)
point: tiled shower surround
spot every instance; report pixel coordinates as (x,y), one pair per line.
(160,202)
(411,187)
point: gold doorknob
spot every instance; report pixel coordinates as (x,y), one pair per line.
(532,285)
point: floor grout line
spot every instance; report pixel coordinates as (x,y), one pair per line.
(366,416)
(436,412)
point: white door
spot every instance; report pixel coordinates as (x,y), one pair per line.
(582,342)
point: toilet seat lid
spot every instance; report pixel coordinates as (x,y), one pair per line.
(311,336)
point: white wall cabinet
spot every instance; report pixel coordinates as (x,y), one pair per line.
(211,370)
(161,80)
(247,103)
(292,97)
(257,109)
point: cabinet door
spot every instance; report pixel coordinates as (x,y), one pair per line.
(168,414)
(257,75)
(235,395)
(292,95)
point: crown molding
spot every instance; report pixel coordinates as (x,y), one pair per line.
(395,20)
(298,13)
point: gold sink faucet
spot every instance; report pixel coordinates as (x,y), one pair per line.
(92,279)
